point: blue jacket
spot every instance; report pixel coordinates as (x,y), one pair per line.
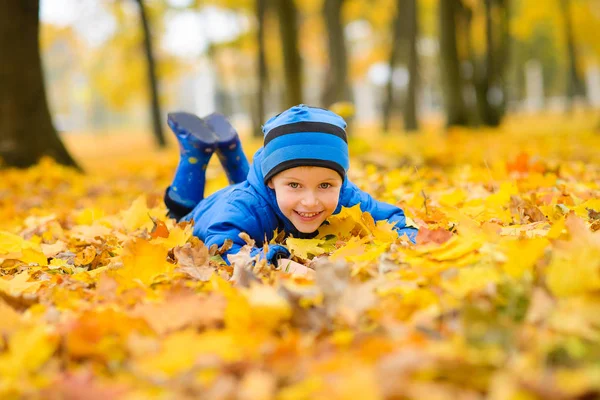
(251,207)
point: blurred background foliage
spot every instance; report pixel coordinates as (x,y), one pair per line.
(389,66)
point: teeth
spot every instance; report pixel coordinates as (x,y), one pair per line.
(307,215)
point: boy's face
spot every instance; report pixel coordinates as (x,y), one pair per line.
(307,195)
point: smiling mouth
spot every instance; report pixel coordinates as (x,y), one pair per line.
(308,216)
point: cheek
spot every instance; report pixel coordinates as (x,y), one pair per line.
(285,202)
(330,201)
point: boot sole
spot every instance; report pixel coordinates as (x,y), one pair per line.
(186,123)
(225,132)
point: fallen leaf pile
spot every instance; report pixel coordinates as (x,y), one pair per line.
(102,296)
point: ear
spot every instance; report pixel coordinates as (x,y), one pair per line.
(270,184)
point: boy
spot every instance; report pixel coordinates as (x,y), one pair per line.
(297,180)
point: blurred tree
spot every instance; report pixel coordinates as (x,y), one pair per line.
(336,87)
(410,106)
(262,71)
(26,130)
(575,86)
(152,80)
(118,66)
(470,49)
(541,34)
(489,67)
(397,35)
(456,112)
(291,55)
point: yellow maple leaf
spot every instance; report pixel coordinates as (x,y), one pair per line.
(143,261)
(354,247)
(34,256)
(303,247)
(178,236)
(353,221)
(501,198)
(454,248)
(342,224)
(88,216)
(10,243)
(522,255)
(15,247)
(58,263)
(582,209)
(138,215)
(384,231)
(19,285)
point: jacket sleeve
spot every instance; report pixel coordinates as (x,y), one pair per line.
(381,211)
(235,219)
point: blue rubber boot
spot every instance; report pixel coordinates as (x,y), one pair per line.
(197,143)
(229,148)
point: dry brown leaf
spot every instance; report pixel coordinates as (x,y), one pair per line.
(192,255)
(436,236)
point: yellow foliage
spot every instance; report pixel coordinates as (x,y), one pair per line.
(101,292)
(10,320)
(143,261)
(19,285)
(181,350)
(522,255)
(303,247)
(267,308)
(15,247)
(575,268)
(139,216)
(29,348)
(469,280)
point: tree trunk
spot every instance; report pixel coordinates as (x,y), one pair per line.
(575,86)
(291,55)
(504,51)
(388,104)
(26,130)
(469,82)
(489,78)
(485,74)
(261,9)
(410,106)
(336,87)
(456,113)
(152,81)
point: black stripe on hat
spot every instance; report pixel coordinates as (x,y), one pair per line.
(305,126)
(305,162)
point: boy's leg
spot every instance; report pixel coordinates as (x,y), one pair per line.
(229,148)
(197,143)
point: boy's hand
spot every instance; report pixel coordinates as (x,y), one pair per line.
(292,267)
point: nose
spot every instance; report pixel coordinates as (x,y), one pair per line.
(309,199)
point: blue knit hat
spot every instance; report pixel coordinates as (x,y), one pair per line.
(305,136)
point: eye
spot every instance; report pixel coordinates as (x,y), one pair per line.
(294,185)
(325,185)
